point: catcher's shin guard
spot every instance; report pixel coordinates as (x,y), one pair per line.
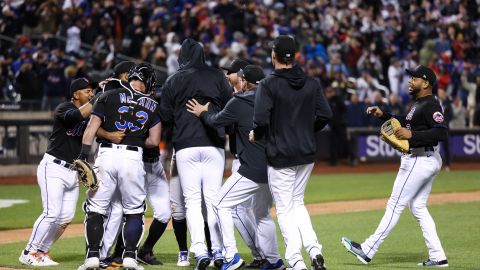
(132,234)
(93,233)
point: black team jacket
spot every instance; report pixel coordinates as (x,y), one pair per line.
(289,108)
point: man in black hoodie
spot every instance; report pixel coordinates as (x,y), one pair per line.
(289,108)
(199,149)
(250,181)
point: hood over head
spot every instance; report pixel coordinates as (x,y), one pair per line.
(191,54)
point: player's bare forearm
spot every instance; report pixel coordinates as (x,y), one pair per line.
(154,133)
(86,109)
(91,130)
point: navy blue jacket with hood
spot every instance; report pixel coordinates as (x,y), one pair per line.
(194,79)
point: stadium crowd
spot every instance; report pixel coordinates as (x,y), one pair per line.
(358,50)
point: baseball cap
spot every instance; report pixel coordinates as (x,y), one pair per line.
(236,65)
(122,67)
(284,47)
(81,83)
(423,72)
(252,74)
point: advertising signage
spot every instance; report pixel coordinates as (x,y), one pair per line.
(464,145)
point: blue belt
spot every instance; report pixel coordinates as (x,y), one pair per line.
(62,163)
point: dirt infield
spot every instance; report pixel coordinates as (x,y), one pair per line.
(76,230)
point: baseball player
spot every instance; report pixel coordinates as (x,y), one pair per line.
(132,110)
(199,150)
(289,108)
(157,195)
(250,181)
(423,127)
(114,219)
(243,216)
(58,183)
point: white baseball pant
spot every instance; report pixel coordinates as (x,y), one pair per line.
(288,189)
(59,188)
(244,220)
(201,171)
(177,200)
(412,187)
(237,190)
(112,225)
(127,167)
(157,195)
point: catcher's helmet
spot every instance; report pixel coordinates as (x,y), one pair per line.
(145,73)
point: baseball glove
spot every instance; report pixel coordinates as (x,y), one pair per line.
(85,174)
(387,133)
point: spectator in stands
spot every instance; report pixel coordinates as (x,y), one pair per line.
(378,100)
(427,53)
(338,128)
(414,32)
(28,83)
(396,105)
(54,85)
(371,62)
(336,66)
(366,85)
(73,38)
(356,116)
(448,115)
(471,88)
(134,36)
(459,114)
(172,60)
(396,73)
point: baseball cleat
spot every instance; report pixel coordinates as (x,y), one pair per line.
(356,249)
(147,257)
(318,263)
(279,265)
(202,262)
(442,263)
(256,263)
(183,259)
(90,263)
(131,264)
(48,260)
(218,259)
(32,258)
(235,263)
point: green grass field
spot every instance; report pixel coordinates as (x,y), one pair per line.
(321,188)
(457,224)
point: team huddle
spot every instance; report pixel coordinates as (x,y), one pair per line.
(270,122)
